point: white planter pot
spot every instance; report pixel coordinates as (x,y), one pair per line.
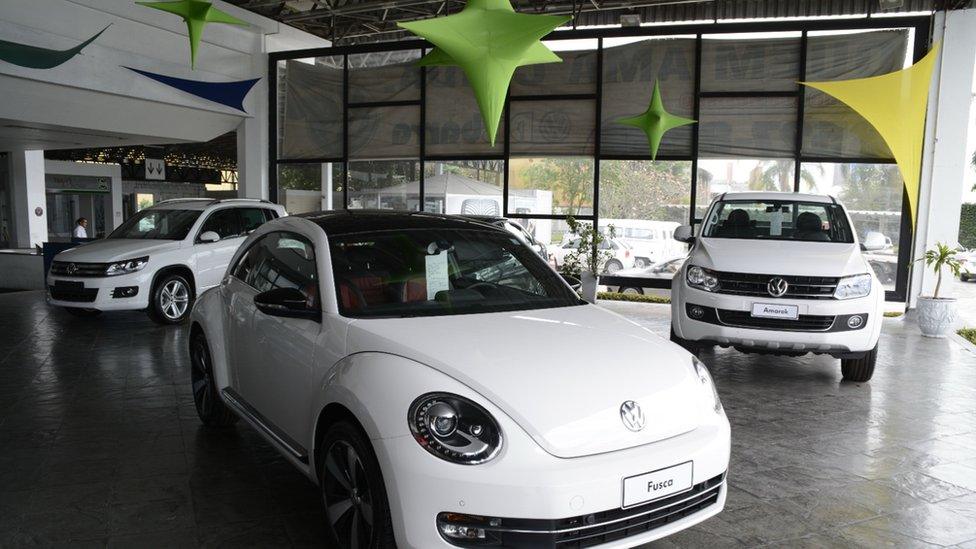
(936,316)
(589,287)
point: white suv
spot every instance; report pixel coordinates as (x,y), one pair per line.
(159,260)
(779,273)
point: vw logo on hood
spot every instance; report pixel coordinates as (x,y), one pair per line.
(777,287)
(632,415)
(71,268)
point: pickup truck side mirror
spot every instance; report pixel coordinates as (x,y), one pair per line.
(685,233)
(209,236)
(286,302)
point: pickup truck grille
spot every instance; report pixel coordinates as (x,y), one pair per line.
(67,268)
(755,285)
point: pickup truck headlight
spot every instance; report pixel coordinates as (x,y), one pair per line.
(706,379)
(127,266)
(702,278)
(454,428)
(851,287)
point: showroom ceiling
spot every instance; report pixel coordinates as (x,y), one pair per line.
(355,21)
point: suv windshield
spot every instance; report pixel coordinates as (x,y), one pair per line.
(157,225)
(428,272)
(778,220)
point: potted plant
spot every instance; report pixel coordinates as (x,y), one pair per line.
(587,261)
(937,314)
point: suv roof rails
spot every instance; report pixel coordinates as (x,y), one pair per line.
(261,200)
(198,199)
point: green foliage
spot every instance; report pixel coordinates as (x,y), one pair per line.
(305,177)
(893,314)
(938,258)
(587,256)
(637,298)
(569,179)
(967,226)
(777,175)
(969,334)
(639,189)
(872,187)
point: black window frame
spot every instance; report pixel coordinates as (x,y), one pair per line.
(233,270)
(920,24)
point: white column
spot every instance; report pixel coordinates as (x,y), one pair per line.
(945,160)
(326,186)
(29,201)
(116,214)
(252,135)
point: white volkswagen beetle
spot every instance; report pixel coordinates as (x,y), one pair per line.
(395,359)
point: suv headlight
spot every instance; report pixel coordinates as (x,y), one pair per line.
(454,428)
(702,278)
(851,287)
(127,266)
(706,379)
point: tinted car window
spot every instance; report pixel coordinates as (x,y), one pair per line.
(162,224)
(778,220)
(280,260)
(252,218)
(428,272)
(226,223)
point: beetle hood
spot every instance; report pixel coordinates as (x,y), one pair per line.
(562,374)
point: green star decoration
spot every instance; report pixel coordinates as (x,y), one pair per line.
(197,14)
(488,40)
(656,121)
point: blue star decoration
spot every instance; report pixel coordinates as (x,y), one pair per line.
(655,121)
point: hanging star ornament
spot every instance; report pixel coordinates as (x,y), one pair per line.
(894,104)
(488,40)
(196,14)
(656,121)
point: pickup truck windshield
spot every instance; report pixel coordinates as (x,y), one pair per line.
(157,225)
(432,272)
(778,220)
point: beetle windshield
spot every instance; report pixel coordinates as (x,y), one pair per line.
(778,220)
(427,272)
(157,225)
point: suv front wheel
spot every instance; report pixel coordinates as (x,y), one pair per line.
(859,369)
(171,300)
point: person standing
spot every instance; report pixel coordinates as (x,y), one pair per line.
(81,228)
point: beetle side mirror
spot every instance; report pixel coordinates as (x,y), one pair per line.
(209,236)
(286,302)
(685,233)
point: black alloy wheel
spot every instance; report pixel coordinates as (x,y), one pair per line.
(210,408)
(355,501)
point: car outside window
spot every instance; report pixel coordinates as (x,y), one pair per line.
(226,223)
(157,224)
(778,220)
(429,272)
(279,260)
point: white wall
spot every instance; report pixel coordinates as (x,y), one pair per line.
(945,159)
(28,199)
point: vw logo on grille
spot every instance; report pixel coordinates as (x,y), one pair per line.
(71,268)
(632,415)
(777,287)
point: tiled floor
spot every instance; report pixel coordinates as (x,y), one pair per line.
(100,445)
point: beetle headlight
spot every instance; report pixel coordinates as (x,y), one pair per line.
(851,287)
(127,266)
(705,378)
(702,278)
(454,428)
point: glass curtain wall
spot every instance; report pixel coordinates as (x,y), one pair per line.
(365,127)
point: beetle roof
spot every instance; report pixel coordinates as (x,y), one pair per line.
(338,222)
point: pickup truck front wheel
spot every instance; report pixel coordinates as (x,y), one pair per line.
(859,369)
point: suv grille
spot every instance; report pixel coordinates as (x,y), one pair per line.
(78,294)
(802,287)
(806,323)
(64,268)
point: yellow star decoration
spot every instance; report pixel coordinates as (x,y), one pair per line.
(197,14)
(894,104)
(488,40)
(655,121)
